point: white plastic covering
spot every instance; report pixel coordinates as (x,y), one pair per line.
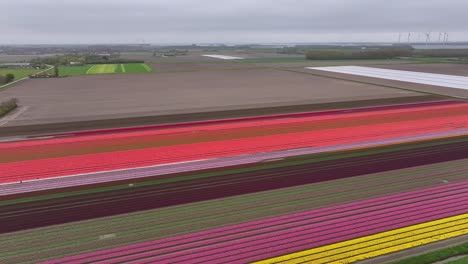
(223,57)
(451,81)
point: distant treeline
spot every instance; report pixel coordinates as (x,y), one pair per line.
(116,61)
(304,49)
(7,78)
(59,59)
(442,53)
(68,59)
(8,106)
(387,53)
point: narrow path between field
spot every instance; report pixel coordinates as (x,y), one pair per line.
(416,251)
(450,259)
(13,115)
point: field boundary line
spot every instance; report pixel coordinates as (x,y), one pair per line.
(122,67)
(13,115)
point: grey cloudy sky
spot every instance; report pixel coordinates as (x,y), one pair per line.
(227,21)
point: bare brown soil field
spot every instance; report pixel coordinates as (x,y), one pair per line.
(61,127)
(257,55)
(440,68)
(192,57)
(195,56)
(187,67)
(415,87)
(119,96)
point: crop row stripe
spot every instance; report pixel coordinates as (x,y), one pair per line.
(430,232)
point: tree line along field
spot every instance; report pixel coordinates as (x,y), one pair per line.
(104,69)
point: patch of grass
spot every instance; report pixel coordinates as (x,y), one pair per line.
(438,255)
(103,69)
(73,70)
(460,261)
(136,68)
(8,106)
(18,73)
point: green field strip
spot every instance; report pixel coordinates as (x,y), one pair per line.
(315,158)
(118,69)
(438,255)
(147,67)
(102,69)
(463,260)
(94,69)
(249,201)
(73,70)
(137,68)
(90,69)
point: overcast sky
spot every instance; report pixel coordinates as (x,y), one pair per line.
(228,21)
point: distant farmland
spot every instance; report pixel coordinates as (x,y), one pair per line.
(104,69)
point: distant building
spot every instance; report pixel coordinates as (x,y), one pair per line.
(42,75)
(16,65)
(75,63)
(104,55)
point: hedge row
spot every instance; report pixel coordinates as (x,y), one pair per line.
(358,55)
(7,106)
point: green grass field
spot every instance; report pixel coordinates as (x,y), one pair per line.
(73,70)
(136,68)
(19,73)
(439,255)
(104,69)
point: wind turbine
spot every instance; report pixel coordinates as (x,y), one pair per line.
(409,37)
(428,37)
(445,38)
(399,38)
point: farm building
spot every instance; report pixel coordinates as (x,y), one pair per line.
(76,63)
